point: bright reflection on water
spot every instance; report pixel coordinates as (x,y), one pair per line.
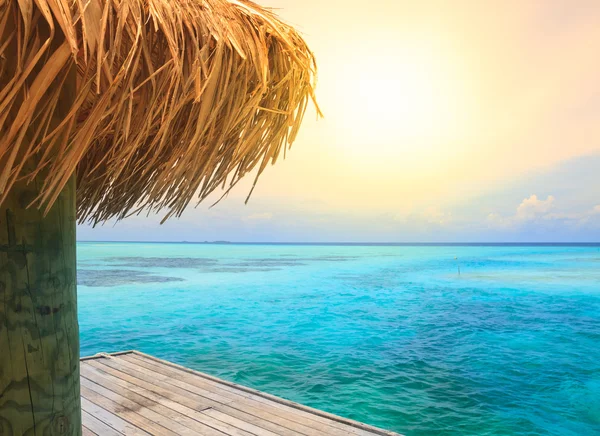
(388,335)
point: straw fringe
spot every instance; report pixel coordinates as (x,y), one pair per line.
(174,98)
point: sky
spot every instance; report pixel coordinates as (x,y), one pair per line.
(462,121)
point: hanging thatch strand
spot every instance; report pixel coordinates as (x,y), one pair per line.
(174,97)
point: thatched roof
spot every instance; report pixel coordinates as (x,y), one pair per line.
(170,98)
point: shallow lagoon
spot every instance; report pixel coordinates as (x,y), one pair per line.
(389,335)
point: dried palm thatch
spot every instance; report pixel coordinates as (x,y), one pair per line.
(173,98)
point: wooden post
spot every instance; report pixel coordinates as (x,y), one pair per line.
(39,331)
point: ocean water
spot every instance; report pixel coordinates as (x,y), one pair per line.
(390,335)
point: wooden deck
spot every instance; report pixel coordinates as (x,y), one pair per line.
(132,393)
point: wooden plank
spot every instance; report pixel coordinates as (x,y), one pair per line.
(176,411)
(277,401)
(97,426)
(173,375)
(164,381)
(266,420)
(175,398)
(175,379)
(166,417)
(287,421)
(287,417)
(170,409)
(123,410)
(310,425)
(194,402)
(110,419)
(87,432)
(247,402)
(249,427)
(273,402)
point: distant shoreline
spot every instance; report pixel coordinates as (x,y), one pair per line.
(370,244)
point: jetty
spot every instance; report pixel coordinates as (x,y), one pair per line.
(132,393)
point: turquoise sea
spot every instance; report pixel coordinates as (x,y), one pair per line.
(390,335)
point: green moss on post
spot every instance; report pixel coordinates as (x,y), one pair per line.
(39,332)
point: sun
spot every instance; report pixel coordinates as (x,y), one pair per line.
(402,100)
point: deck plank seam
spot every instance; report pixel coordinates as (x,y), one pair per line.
(290,415)
(165,381)
(152,408)
(314,430)
(282,424)
(108,424)
(129,408)
(293,411)
(234,424)
(198,410)
(247,426)
(89,418)
(108,375)
(177,413)
(274,398)
(245,411)
(130,419)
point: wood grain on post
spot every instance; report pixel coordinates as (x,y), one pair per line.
(39,333)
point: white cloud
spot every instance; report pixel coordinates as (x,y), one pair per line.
(533,207)
(543,213)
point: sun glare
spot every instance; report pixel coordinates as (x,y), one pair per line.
(404,103)
(408,101)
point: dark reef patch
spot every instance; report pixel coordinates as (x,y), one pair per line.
(130,269)
(238,269)
(287,261)
(117,277)
(258,263)
(162,262)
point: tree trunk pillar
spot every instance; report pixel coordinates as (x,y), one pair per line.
(39,331)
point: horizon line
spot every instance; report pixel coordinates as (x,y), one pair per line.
(223,242)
